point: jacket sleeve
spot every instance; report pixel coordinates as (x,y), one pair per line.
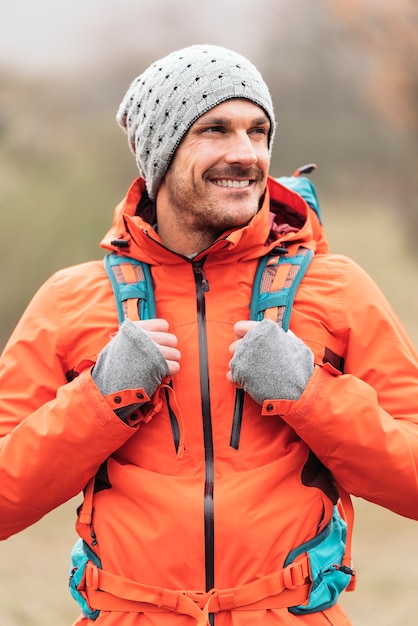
(363,424)
(54,434)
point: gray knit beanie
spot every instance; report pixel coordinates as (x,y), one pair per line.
(167,98)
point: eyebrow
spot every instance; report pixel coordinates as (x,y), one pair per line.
(227,121)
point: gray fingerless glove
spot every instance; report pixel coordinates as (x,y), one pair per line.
(131,360)
(270,364)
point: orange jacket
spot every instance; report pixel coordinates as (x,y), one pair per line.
(220,515)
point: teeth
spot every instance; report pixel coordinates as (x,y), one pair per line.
(232,183)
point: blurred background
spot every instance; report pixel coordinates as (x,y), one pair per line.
(344,79)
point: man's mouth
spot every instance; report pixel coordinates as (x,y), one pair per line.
(232,183)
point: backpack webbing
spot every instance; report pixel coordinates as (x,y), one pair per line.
(132,286)
(277,278)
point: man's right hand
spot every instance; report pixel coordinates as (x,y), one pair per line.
(138,356)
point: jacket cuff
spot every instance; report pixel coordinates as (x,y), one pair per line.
(283,408)
(124,398)
(127,405)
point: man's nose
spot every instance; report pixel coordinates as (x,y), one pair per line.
(241,150)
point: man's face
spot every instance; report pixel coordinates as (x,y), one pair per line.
(219,171)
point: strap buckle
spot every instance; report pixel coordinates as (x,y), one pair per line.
(296,573)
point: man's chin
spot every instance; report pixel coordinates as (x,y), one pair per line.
(241,218)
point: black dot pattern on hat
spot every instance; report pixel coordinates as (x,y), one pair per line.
(174,92)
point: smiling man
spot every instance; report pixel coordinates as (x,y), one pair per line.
(217,177)
(216,452)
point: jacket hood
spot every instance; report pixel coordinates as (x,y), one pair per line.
(284,219)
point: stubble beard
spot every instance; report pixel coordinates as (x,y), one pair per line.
(201,213)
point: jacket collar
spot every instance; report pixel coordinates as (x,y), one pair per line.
(284,219)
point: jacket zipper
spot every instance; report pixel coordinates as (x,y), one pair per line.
(202,287)
(237,419)
(173,419)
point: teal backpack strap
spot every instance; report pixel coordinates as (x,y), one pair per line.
(132,287)
(134,297)
(275,287)
(277,278)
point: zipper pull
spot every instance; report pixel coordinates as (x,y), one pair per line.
(198,270)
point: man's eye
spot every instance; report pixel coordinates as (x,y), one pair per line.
(213,129)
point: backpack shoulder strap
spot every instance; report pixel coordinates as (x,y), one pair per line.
(277,278)
(132,287)
(279,274)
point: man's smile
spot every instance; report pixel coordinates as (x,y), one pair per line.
(231,183)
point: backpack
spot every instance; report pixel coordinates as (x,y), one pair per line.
(277,279)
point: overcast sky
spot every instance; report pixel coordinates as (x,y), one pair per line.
(36,34)
(39,35)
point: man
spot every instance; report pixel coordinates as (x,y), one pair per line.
(212,449)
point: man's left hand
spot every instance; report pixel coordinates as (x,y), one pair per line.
(269,363)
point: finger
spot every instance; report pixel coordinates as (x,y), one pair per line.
(157,324)
(234,346)
(231,380)
(162,339)
(242,327)
(157,330)
(173,367)
(169,353)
